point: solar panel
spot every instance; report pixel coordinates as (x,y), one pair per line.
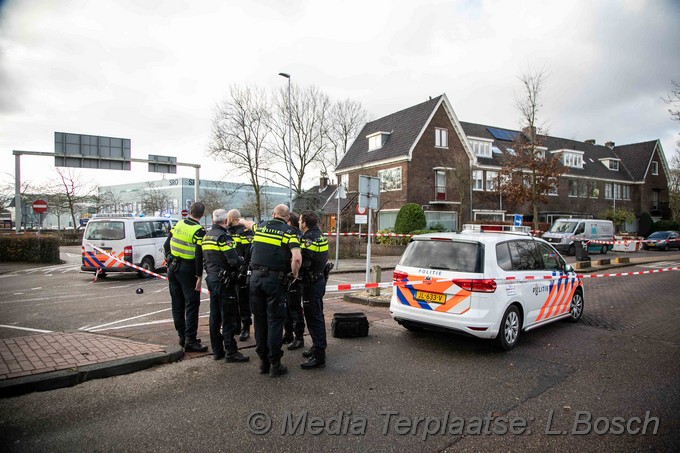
(502,134)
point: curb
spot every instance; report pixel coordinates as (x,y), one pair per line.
(74,376)
(371,301)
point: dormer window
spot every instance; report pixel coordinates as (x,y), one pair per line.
(481,147)
(539,152)
(377,140)
(570,158)
(611,163)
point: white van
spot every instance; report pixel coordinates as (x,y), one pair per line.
(137,240)
(564,231)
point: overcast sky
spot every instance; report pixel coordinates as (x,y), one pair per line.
(152,71)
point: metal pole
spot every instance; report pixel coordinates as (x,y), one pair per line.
(290,151)
(196,183)
(368,247)
(337,233)
(17,192)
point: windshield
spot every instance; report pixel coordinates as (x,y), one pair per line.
(563,227)
(444,255)
(658,235)
(105,231)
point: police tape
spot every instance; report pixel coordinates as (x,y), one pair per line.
(134,266)
(379,235)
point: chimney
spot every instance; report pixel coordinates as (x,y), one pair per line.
(529,131)
(591,141)
(323,182)
(609,145)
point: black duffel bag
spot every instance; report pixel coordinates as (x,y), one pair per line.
(349,325)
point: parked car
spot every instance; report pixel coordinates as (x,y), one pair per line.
(662,240)
(564,231)
(491,285)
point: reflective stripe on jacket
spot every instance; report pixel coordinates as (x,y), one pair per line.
(272,245)
(184,239)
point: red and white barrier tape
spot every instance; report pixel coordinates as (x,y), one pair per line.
(390,235)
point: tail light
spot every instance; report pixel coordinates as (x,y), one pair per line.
(477,285)
(127,253)
(399,276)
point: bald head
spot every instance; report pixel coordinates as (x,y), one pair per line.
(232,217)
(281,211)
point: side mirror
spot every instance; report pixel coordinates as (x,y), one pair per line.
(568,268)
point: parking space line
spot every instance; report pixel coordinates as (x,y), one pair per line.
(25,328)
(141,324)
(92,329)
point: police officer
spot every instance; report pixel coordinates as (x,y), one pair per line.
(185,271)
(222,263)
(242,236)
(314,247)
(274,261)
(294,328)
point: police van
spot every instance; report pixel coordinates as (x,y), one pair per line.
(485,284)
(599,234)
(136,240)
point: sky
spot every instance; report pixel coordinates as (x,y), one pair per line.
(154,71)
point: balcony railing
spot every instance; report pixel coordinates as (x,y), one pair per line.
(440,193)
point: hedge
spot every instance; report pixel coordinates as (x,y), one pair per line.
(31,248)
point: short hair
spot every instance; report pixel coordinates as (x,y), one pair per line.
(281,211)
(219,216)
(234,214)
(197,209)
(294,220)
(310,218)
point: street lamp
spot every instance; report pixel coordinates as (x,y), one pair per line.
(290,152)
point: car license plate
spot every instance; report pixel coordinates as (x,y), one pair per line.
(431,297)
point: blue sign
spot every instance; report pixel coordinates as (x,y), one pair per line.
(518,220)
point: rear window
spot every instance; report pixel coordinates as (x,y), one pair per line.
(151,229)
(444,255)
(105,231)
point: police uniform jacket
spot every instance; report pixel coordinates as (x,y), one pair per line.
(272,245)
(314,250)
(219,251)
(242,236)
(184,243)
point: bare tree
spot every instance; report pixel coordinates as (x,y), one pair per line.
(110,201)
(528,175)
(345,122)
(310,119)
(240,130)
(154,199)
(75,191)
(673,100)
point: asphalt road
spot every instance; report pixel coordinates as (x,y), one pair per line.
(621,361)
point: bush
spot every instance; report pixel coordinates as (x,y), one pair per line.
(645,225)
(663,225)
(31,248)
(410,217)
(386,240)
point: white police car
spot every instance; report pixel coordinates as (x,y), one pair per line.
(485,284)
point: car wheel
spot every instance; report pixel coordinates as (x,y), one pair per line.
(508,333)
(576,307)
(147,263)
(572,250)
(665,247)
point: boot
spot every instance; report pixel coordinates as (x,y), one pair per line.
(287,338)
(278,370)
(236,357)
(245,333)
(296,344)
(264,366)
(308,353)
(317,360)
(195,346)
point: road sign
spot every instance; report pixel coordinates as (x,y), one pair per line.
(184,213)
(518,219)
(162,164)
(360,219)
(361,211)
(368,202)
(39,206)
(369,185)
(91,151)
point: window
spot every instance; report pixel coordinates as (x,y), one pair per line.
(616,192)
(518,256)
(554,186)
(551,259)
(377,140)
(477,180)
(539,152)
(105,231)
(573,160)
(449,255)
(390,179)
(625,192)
(481,148)
(387,219)
(447,219)
(594,191)
(655,167)
(440,185)
(573,188)
(441,138)
(492,181)
(614,165)
(344,180)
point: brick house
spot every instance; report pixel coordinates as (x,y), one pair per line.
(425,155)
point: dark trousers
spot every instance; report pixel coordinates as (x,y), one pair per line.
(244,306)
(312,301)
(268,304)
(295,318)
(223,314)
(185,299)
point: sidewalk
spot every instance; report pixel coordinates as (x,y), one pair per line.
(61,359)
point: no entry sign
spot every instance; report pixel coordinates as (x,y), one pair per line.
(184,213)
(39,206)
